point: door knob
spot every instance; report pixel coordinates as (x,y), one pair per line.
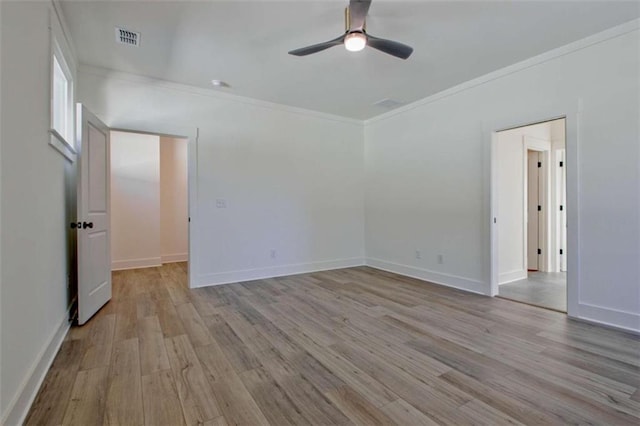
(75,225)
(86,225)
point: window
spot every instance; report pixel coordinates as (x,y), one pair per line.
(62,110)
(60,102)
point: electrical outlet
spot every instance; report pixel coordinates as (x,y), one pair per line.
(440,259)
(221,203)
(274,253)
(418,254)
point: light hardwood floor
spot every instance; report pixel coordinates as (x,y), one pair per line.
(353,346)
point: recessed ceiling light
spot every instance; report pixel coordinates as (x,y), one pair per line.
(220,83)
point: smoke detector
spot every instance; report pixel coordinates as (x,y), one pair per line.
(130,38)
(388,104)
(220,83)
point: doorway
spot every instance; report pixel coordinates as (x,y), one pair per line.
(531,207)
(149,203)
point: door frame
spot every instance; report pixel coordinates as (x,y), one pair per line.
(191,134)
(490,128)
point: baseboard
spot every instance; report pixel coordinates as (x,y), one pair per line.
(172,258)
(150,262)
(448,280)
(18,408)
(622,320)
(509,277)
(275,271)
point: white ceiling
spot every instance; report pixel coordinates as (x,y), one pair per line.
(245,43)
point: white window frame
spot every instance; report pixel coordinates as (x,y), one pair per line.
(63,140)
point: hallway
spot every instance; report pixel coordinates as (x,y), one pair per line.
(544,289)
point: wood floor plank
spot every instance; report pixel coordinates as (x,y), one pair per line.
(583,382)
(606,367)
(153,354)
(315,407)
(483,414)
(218,421)
(52,399)
(352,346)
(505,402)
(199,300)
(126,320)
(241,356)
(404,413)
(214,360)
(196,396)
(99,342)
(160,398)
(124,395)
(193,325)
(246,331)
(357,409)
(279,340)
(236,403)
(274,403)
(87,402)
(145,305)
(429,396)
(373,390)
(170,323)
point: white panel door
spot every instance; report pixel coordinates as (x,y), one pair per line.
(533,215)
(563,213)
(94,254)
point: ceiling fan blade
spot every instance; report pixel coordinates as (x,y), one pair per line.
(390,47)
(304,51)
(358,10)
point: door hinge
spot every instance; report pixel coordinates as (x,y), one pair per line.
(189,219)
(561,208)
(539,163)
(539,208)
(539,251)
(561,252)
(561,163)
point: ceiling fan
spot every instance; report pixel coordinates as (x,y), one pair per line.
(356,38)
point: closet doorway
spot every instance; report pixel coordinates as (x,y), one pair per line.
(149,202)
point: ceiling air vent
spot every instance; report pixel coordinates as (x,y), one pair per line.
(388,104)
(130,38)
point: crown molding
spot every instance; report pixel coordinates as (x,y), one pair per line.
(567,49)
(212,93)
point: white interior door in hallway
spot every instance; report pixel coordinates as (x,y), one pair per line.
(534,210)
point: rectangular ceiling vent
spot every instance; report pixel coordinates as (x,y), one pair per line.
(130,38)
(388,104)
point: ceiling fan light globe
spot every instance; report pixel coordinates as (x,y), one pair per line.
(355,42)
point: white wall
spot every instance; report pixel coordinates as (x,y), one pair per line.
(291,179)
(33,309)
(512,261)
(135,200)
(174,208)
(426,174)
